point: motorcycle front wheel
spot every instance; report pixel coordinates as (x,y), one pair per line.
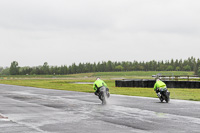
(167,97)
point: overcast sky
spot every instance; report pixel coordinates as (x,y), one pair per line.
(62,32)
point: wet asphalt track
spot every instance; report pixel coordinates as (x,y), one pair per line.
(35,110)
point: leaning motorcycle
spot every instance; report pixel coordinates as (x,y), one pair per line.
(103,95)
(164,95)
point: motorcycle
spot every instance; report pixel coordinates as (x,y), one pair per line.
(104,94)
(164,95)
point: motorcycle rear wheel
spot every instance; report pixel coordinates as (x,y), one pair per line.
(102,98)
(167,97)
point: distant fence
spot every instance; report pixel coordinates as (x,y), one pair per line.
(177,77)
(150,83)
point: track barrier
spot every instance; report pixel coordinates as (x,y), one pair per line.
(150,83)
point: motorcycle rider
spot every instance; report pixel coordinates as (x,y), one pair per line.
(159,85)
(98,84)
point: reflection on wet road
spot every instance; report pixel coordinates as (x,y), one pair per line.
(33,110)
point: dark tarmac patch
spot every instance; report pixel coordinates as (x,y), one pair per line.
(21,98)
(55,105)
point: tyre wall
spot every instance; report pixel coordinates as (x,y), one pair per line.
(150,83)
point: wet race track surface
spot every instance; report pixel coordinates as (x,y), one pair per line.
(35,110)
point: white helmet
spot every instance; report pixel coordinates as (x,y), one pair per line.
(157,79)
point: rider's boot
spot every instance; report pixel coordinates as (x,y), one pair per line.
(158,94)
(96,93)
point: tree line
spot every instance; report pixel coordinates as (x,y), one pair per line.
(190,64)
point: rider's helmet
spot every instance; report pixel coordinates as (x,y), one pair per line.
(97,78)
(158,79)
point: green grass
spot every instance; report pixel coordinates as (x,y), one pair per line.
(143,73)
(126,74)
(66,82)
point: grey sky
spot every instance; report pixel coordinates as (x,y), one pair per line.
(62,32)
